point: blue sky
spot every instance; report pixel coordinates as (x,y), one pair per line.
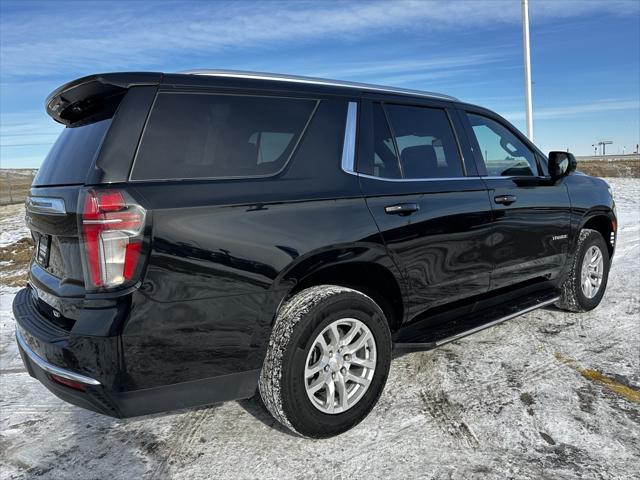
(585,56)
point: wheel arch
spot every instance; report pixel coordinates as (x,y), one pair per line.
(604,222)
(365,268)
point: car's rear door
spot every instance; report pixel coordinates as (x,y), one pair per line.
(531,214)
(422,188)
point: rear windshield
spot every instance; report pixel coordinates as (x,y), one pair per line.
(71,157)
(219,136)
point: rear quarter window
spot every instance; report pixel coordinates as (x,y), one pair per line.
(191,135)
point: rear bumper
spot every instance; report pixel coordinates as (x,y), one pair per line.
(91,399)
(47,367)
(49,352)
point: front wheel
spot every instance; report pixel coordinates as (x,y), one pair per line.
(327,361)
(586,281)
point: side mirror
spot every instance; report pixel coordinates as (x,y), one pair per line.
(561,164)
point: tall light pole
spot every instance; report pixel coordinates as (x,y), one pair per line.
(527,68)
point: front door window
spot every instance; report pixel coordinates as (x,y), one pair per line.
(503,153)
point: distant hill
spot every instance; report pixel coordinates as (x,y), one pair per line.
(610,158)
(610,165)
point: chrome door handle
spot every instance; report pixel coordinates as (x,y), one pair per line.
(402,209)
(505,199)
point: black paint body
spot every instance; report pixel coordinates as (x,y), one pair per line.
(222,255)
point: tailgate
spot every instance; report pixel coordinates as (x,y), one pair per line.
(51,216)
(55,272)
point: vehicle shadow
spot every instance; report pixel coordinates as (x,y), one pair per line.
(139,447)
(400,352)
(149,446)
(255,407)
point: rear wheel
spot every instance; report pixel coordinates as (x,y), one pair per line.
(586,281)
(327,362)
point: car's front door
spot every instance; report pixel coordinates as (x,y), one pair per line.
(531,214)
(432,209)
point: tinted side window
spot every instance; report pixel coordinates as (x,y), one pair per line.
(426,143)
(213,136)
(70,158)
(384,162)
(503,153)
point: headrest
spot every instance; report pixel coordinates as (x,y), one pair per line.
(419,161)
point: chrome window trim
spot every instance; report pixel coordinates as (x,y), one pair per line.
(497,177)
(50,368)
(46,205)
(316,81)
(349,143)
(435,179)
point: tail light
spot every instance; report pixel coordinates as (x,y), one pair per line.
(112,227)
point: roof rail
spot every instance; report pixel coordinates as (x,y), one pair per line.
(316,81)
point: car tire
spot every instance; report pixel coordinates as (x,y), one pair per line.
(577,291)
(296,350)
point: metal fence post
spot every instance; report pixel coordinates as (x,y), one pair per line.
(10,189)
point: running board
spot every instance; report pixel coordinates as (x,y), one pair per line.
(432,336)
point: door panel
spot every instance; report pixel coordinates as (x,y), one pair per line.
(531,214)
(531,235)
(442,247)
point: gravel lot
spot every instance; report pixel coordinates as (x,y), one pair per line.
(546,395)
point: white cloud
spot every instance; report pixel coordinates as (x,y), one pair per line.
(388,69)
(93,36)
(576,110)
(26,123)
(22,132)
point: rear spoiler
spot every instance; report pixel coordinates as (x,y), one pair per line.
(93,98)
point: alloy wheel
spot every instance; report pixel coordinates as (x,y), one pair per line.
(592,271)
(340,365)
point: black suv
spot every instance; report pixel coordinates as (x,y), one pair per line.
(204,235)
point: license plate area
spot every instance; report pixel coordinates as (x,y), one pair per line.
(43,250)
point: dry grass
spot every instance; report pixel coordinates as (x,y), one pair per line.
(14,185)
(611,384)
(14,260)
(603,168)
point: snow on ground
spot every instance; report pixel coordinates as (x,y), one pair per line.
(12,226)
(546,395)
